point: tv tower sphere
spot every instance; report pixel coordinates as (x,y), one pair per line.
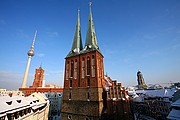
(31,52)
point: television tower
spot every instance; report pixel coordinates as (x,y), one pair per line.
(30,55)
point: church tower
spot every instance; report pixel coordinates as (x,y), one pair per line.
(83,77)
(140,79)
(38,80)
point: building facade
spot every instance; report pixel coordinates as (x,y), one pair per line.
(38,84)
(153,103)
(55,100)
(38,80)
(85,87)
(84,72)
(141,82)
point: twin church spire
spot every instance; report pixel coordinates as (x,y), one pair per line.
(77,42)
(91,40)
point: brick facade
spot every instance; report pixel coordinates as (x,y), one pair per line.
(82,94)
(38,80)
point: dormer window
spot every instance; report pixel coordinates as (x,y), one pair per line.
(9,102)
(19,101)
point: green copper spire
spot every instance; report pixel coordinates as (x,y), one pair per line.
(91,40)
(77,42)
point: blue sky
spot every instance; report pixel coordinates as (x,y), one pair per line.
(132,35)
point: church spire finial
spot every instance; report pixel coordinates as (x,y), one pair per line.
(90,4)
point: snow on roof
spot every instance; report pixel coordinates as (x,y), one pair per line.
(176,103)
(17,103)
(161,93)
(108,81)
(174,115)
(10,103)
(158,93)
(43,95)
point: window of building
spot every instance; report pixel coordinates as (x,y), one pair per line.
(82,67)
(88,95)
(70,83)
(109,95)
(69,117)
(67,70)
(88,81)
(88,66)
(72,69)
(93,66)
(70,96)
(75,69)
(123,96)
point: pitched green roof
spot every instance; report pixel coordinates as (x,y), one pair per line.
(91,40)
(77,42)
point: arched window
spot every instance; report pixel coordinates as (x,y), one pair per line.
(75,69)
(72,69)
(70,96)
(67,70)
(88,95)
(88,67)
(82,67)
(88,81)
(99,68)
(93,66)
(70,83)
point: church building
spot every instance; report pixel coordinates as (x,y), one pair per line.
(84,94)
(84,73)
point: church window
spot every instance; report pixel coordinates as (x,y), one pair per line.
(88,95)
(99,68)
(93,66)
(70,96)
(88,67)
(82,67)
(88,82)
(67,70)
(75,69)
(70,83)
(72,69)
(123,96)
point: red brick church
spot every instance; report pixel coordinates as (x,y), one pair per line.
(87,95)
